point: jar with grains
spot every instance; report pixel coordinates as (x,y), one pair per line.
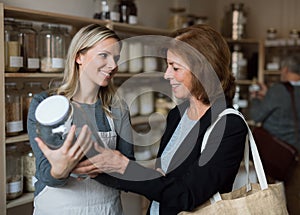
(29,90)
(28,167)
(12,48)
(14,172)
(13,110)
(29,47)
(52,48)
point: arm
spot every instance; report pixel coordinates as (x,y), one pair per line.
(190,184)
(60,162)
(261,108)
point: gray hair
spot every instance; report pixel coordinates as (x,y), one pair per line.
(292,62)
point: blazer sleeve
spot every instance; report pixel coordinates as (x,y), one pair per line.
(186,188)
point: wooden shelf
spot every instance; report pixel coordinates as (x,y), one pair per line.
(16,139)
(269,72)
(33,75)
(24,199)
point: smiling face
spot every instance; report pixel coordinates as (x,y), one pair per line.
(98,65)
(179,75)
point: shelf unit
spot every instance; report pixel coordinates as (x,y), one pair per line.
(76,23)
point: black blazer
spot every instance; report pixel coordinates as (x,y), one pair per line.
(192,178)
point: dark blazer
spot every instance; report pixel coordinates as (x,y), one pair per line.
(192,177)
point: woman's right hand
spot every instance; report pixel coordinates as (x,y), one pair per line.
(64,159)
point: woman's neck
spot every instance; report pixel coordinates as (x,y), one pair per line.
(196,109)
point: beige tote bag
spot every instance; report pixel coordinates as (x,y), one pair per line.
(261,198)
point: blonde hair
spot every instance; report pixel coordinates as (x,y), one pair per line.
(84,40)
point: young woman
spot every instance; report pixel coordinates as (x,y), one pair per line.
(91,63)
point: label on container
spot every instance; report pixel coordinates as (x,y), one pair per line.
(14,126)
(132,19)
(57,63)
(15,61)
(33,63)
(14,187)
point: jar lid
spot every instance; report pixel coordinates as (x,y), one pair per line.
(52,110)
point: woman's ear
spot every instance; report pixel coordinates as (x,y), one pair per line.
(79,59)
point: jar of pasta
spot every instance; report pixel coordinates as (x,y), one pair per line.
(12,48)
(28,168)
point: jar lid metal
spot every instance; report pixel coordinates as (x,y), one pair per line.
(52,110)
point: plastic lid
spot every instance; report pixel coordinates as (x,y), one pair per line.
(52,110)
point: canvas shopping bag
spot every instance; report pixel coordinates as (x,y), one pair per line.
(262,198)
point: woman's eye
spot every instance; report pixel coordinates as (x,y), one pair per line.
(175,68)
(104,55)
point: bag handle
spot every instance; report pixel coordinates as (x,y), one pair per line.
(255,155)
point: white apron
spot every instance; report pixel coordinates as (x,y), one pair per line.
(86,197)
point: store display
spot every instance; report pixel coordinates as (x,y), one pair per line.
(13,110)
(29,47)
(14,172)
(12,48)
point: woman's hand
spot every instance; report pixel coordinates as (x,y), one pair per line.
(106,161)
(64,159)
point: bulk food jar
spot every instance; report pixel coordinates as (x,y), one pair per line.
(12,48)
(52,48)
(13,110)
(29,51)
(14,172)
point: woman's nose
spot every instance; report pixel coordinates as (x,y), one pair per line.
(168,74)
(111,63)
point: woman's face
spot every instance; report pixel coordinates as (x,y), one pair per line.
(179,75)
(97,65)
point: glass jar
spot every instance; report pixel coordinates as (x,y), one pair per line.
(12,48)
(238,21)
(128,12)
(13,110)
(67,37)
(52,46)
(150,60)
(29,90)
(53,126)
(135,57)
(28,167)
(28,42)
(238,63)
(177,18)
(14,172)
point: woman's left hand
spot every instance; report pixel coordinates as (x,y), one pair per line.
(107,161)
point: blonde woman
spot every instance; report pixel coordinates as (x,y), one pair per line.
(91,63)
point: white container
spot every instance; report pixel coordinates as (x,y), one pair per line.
(150,61)
(146,100)
(124,55)
(135,57)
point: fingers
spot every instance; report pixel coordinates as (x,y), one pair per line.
(82,144)
(42,145)
(69,140)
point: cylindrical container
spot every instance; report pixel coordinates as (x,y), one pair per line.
(131,97)
(177,19)
(124,55)
(239,64)
(13,110)
(29,47)
(146,100)
(28,168)
(150,60)
(135,57)
(238,21)
(52,48)
(14,172)
(29,90)
(67,37)
(12,48)
(53,126)
(128,12)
